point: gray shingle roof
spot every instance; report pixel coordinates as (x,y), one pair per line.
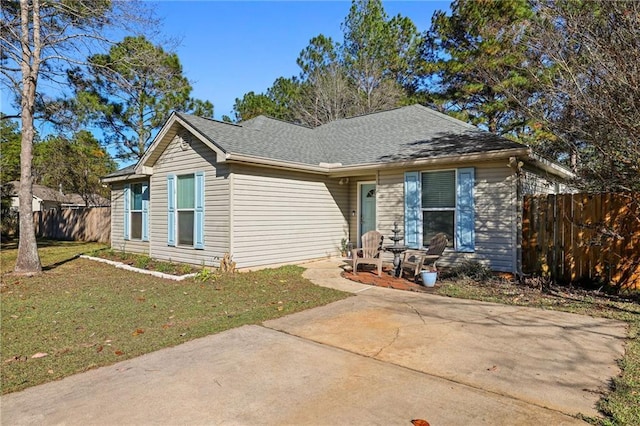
(122,172)
(405,133)
(400,134)
(261,137)
(54,195)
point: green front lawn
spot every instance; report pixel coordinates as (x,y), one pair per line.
(83,314)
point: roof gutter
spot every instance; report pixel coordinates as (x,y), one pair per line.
(462,158)
(123,178)
(549,166)
(276,164)
(338,170)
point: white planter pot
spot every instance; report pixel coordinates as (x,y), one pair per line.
(428,278)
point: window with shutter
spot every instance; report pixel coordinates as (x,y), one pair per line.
(440,201)
(186,210)
(136,209)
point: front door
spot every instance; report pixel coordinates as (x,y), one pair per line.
(367,208)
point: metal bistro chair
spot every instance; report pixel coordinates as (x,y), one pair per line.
(414,260)
(371,251)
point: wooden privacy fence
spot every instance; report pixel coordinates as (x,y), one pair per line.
(88,224)
(583,237)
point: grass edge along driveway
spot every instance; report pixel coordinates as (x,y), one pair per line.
(81,314)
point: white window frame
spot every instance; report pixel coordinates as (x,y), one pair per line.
(178,210)
(441,209)
(132,211)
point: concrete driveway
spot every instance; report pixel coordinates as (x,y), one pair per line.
(382,357)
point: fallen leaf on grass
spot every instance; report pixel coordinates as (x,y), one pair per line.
(39,355)
(118,353)
(168,325)
(138,331)
(17,358)
(100,348)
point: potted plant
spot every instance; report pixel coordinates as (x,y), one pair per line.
(429,276)
(345,248)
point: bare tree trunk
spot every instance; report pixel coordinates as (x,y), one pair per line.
(28,261)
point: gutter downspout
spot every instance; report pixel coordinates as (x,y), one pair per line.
(516,166)
(231,214)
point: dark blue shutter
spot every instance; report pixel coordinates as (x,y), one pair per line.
(198,231)
(171,210)
(127,205)
(412,210)
(145,211)
(465,211)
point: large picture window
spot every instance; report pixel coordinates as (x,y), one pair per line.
(440,201)
(438,204)
(186,209)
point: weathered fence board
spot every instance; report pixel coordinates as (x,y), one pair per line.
(88,224)
(574,237)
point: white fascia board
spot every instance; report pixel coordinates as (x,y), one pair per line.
(156,141)
(124,178)
(449,159)
(549,166)
(220,153)
(275,164)
(338,170)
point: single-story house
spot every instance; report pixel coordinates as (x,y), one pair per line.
(46,198)
(271,192)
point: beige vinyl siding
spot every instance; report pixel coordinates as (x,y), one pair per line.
(175,160)
(533,183)
(286,217)
(117,224)
(496,217)
(495,214)
(390,206)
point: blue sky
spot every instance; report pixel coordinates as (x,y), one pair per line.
(229,48)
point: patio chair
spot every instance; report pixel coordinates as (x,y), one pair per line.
(370,252)
(414,260)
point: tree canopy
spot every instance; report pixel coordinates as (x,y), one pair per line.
(73,164)
(39,39)
(560,76)
(130,91)
(584,60)
(373,69)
